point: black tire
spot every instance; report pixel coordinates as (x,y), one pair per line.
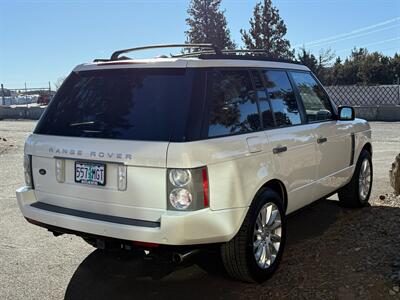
(238,254)
(350,195)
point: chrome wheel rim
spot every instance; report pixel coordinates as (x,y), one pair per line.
(267,235)
(364,180)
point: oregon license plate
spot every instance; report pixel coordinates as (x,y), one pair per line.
(90,173)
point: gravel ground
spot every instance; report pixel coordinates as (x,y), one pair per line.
(331,253)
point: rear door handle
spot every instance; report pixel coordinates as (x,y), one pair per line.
(322,140)
(279,150)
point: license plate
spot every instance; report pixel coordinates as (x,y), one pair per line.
(90,173)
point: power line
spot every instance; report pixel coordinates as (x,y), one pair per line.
(353,32)
(354,36)
(373,44)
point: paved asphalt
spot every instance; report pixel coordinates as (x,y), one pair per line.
(36,265)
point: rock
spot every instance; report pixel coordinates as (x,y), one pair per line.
(394,174)
(396,288)
(4,140)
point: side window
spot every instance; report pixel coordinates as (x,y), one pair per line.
(282,97)
(264,105)
(232,103)
(316,103)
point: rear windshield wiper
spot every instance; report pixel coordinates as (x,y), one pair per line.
(82,123)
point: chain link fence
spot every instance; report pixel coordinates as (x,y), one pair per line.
(25,96)
(356,95)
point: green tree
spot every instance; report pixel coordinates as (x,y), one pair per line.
(318,65)
(394,68)
(267,31)
(207,24)
(334,74)
(364,68)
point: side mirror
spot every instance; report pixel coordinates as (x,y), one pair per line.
(346,113)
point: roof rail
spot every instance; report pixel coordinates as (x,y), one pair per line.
(215,49)
(225,51)
(244,54)
(248,57)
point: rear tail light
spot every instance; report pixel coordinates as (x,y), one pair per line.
(60,170)
(187,189)
(28,170)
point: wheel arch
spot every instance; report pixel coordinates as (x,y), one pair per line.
(278,187)
(367,147)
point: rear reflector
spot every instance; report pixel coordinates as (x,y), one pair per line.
(60,170)
(205,187)
(145,245)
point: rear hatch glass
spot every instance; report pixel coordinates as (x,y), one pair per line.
(124,104)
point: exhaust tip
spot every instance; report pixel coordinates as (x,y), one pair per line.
(177,258)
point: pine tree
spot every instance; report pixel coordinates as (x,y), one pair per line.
(317,64)
(207,24)
(267,31)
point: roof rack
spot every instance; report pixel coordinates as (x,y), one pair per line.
(249,57)
(116,54)
(203,51)
(225,51)
(243,54)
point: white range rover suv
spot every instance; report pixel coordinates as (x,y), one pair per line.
(205,152)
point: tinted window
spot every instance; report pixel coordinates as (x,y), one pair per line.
(283,100)
(264,105)
(316,103)
(133,104)
(266,111)
(258,84)
(232,103)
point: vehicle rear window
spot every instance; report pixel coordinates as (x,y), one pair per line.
(126,104)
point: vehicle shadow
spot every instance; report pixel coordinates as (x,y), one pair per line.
(326,246)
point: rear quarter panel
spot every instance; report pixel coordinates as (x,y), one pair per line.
(235,174)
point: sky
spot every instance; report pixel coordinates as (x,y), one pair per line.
(43,40)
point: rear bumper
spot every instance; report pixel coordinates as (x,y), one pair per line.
(174,228)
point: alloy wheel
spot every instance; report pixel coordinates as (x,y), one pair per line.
(364,180)
(267,235)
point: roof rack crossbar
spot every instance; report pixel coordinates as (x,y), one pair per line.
(215,49)
(225,51)
(245,51)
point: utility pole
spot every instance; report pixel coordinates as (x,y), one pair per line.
(2,95)
(26,96)
(398,88)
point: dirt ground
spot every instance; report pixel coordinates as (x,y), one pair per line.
(331,253)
